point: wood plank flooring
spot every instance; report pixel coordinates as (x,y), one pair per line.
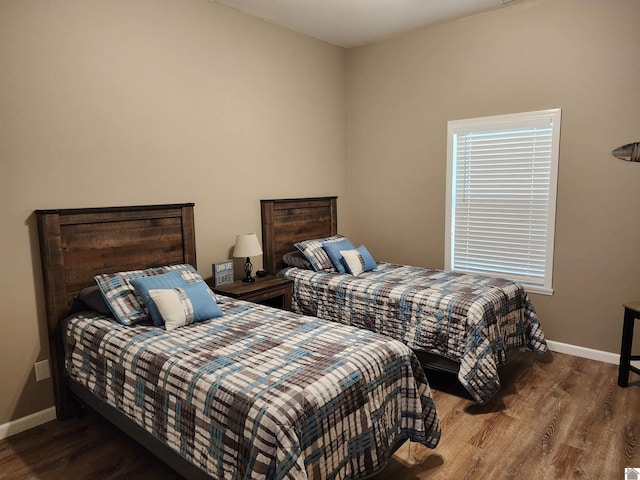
(556,417)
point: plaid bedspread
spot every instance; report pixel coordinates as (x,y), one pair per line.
(260,393)
(472,319)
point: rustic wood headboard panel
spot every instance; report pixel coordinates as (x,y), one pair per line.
(287,221)
(76,244)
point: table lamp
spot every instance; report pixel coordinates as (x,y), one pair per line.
(247,246)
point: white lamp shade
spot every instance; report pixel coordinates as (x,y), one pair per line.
(247,245)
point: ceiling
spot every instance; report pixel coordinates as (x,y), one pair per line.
(352,23)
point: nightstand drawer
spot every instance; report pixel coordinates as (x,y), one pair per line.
(272,291)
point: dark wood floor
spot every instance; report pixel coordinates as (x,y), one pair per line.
(557,417)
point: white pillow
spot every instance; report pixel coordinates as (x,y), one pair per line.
(358,260)
(354,261)
(185,305)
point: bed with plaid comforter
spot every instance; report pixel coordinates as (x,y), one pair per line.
(471,319)
(260,393)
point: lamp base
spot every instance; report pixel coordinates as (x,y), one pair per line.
(247,270)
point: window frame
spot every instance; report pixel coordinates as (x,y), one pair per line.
(506,122)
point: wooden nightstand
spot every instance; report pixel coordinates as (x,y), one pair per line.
(272,291)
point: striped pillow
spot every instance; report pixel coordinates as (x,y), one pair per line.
(121,296)
(185,305)
(358,260)
(317,256)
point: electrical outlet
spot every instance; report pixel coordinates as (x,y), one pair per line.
(42,370)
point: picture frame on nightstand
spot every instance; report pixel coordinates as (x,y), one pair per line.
(222,272)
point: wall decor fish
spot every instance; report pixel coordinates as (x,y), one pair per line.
(629,152)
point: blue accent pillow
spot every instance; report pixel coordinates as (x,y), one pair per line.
(142,285)
(333,250)
(185,305)
(121,297)
(359,260)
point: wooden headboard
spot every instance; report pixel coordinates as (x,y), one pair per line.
(287,221)
(76,244)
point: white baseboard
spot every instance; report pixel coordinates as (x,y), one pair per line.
(584,352)
(25,423)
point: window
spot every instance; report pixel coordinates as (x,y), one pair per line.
(501,196)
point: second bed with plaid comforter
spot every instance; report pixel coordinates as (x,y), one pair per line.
(260,393)
(471,319)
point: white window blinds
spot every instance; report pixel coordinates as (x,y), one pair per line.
(501,192)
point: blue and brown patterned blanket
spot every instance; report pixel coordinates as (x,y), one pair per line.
(260,393)
(471,319)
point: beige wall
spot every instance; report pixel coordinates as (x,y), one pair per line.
(118,103)
(122,103)
(580,55)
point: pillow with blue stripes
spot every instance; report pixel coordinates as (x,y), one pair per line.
(125,303)
(185,305)
(359,260)
(317,256)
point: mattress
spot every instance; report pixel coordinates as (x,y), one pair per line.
(471,319)
(259,392)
